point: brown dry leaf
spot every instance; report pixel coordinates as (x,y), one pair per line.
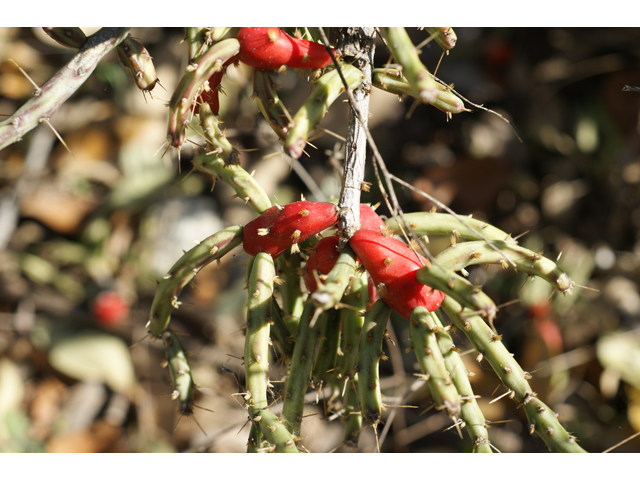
(60,211)
(210,280)
(13,83)
(45,406)
(98,439)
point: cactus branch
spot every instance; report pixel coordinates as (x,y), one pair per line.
(431,360)
(256,346)
(292,303)
(256,353)
(326,91)
(183,271)
(398,41)
(474,253)
(328,295)
(541,417)
(246,187)
(470,412)
(300,371)
(452,284)
(370,352)
(61,86)
(427,223)
(180,372)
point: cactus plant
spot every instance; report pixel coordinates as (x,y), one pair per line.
(327,337)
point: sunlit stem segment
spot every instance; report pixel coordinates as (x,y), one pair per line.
(300,371)
(541,418)
(427,223)
(470,412)
(479,253)
(245,186)
(423,85)
(370,353)
(423,331)
(184,270)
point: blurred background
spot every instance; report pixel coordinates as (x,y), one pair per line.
(84,236)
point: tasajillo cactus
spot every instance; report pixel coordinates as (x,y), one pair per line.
(331,337)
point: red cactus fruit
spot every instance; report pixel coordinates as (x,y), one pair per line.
(264,48)
(393,264)
(370,220)
(322,259)
(306,54)
(268,48)
(109,309)
(279,228)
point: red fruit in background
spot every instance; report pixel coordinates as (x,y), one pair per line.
(211,96)
(392,263)
(306,54)
(369,219)
(322,259)
(278,228)
(264,48)
(109,309)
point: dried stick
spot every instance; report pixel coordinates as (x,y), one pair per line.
(61,86)
(356,44)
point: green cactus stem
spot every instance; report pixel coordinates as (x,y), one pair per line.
(324,371)
(451,284)
(280,336)
(190,85)
(256,347)
(391,80)
(218,144)
(61,86)
(275,432)
(269,103)
(352,414)
(215,34)
(300,370)
(427,223)
(137,62)
(71,37)
(180,372)
(256,353)
(237,178)
(290,292)
(196,38)
(255,443)
(479,253)
(423,329)
(352,320)
(470,412)
(423,85)
(327,89)
(369,355)
(199,38)
(184,270)
(329,294)
(541,418)
(445,37)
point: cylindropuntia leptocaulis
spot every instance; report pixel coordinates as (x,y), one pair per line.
(318,333)
(329,339)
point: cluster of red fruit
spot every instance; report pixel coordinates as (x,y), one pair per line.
(269,48)
(390,262)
